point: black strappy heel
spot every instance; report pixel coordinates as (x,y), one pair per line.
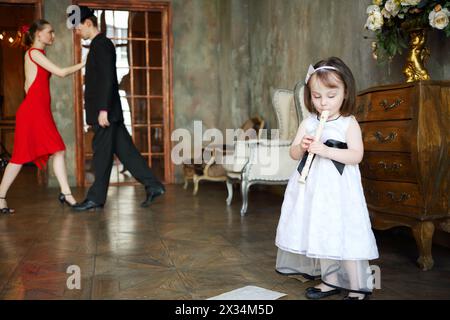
(63,200)
(6,210)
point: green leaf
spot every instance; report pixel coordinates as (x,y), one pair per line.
(447,31)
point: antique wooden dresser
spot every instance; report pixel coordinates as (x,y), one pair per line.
(406,155)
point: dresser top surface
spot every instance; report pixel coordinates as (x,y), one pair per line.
(444,83)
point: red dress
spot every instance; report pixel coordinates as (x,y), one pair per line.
(36,136)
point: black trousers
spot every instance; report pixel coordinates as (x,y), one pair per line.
(111,140)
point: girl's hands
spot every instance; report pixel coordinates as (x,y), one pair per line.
(306,142)
(318,148)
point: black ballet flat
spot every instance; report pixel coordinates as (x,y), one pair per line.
(316,293)
(62,199)
(6,210)
(347,297)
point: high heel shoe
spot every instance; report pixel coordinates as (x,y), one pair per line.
(6,210)
(63,200)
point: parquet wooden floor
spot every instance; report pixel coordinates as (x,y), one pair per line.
(182,247)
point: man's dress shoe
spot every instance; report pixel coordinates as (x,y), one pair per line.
(151,195)
(87,205)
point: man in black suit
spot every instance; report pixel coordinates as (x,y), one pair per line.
(104,114)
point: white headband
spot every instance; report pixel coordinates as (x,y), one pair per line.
(311,71)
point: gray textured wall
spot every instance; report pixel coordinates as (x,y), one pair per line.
(211,63)
(61,53)
(288,35)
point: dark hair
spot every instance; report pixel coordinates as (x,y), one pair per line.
(93,20)
(328,78)
(30,35)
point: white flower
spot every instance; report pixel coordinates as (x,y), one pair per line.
(391,9)
(373,8)
(410,2)
(439,20)
(374,21)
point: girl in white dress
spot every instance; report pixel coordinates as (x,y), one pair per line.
(324,228)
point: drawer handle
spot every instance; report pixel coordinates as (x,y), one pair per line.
(381,139)
(373,195)
(391,168)
(403,197)
(387,107)
(361,108)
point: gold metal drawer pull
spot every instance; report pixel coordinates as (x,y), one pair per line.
(403,197)
(381,139)
(374,195)
(361,108)
(387,107)
(390,167)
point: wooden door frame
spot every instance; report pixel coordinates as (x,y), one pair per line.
(138,5)
(39,4)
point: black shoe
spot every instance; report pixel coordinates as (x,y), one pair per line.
(6,210)
(316,293)
(87,205)
(347,297)
(63,200)
(151,195)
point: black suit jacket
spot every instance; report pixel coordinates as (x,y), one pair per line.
(101,86)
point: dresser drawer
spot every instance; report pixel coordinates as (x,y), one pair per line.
(387,135)
(393,197)
(388,166)
(385,105)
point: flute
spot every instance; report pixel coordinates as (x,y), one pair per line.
(305,171)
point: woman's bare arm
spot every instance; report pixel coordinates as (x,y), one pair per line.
(45,63)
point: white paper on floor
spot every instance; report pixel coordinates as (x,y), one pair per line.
(249,293)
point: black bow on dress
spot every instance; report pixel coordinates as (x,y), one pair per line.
(329,143)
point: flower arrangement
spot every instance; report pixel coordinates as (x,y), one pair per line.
(392,20)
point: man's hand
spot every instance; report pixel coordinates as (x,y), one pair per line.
(103,119)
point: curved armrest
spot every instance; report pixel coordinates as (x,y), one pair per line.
(275,143)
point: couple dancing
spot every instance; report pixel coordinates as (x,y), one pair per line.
(36,135)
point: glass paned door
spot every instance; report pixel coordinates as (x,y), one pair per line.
(138,38)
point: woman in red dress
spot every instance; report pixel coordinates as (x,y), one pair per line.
(36,136)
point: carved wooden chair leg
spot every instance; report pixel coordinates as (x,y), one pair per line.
(230,192)
(196,180)
(244,190)
(423,234)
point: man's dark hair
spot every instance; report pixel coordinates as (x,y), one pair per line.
(87,13)
(93,19)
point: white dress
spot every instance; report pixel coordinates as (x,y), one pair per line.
(324,228)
